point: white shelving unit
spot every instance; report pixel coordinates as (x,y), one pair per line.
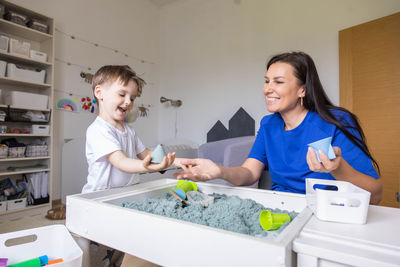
(43,42)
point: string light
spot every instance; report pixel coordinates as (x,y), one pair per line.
(73,37)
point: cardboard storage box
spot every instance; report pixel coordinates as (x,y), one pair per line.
(20,73)
(25,100)
(171,242)
(54,241)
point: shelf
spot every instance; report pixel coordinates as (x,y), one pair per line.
(22,172)
(23,59)
(24,135)
(33,109)
(30,207)
(25,158)
(23,31)
(10,81)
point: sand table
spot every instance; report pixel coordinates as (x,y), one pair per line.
(227,212)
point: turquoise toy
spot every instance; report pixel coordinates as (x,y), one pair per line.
(325,146)
(158,154)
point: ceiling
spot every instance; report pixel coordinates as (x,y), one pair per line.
(162,2)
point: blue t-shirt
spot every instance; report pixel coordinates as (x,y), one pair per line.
(284,152)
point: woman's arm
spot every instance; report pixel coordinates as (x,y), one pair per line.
(205,170)
(342,170)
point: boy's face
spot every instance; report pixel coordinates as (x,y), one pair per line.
(115,100)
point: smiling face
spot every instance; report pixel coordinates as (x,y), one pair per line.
(116,100)
(282,89)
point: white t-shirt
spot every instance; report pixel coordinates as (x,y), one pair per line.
(102,138)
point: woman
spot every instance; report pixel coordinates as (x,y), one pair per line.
(302,114)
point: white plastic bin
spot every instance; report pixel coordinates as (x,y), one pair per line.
(38,55)
(54,241)
(4,40)
(347,204)
(16,204)
(40,129)
(3,65)
(19,47)
(25,100)
(19,73)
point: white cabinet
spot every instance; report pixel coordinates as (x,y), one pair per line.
(23,77)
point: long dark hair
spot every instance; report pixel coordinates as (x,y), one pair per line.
(316,99)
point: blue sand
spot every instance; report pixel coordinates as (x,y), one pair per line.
(227,212)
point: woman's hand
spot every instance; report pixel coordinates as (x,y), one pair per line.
(198,170)
(166,162)
(326,165)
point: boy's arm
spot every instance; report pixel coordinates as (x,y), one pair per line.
(119,160)
(176,163)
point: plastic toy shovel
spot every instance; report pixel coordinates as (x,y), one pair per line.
(325,146)
(271,221)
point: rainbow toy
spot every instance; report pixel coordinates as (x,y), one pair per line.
(67,104)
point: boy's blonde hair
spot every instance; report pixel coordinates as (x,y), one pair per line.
(111,73)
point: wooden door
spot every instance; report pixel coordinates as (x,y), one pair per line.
(369,63)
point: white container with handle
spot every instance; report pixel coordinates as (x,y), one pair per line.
(337,201)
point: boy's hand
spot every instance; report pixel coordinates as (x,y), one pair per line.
(167,161)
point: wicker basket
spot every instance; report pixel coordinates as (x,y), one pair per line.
(3,151)
(16,152)
(36,151)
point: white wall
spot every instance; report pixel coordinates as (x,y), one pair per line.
(209,53)
(131,26)
(213,53)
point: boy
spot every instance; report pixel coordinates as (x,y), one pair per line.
(113,150)
(111,146)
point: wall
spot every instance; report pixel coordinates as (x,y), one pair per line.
(131,26)
(213,53)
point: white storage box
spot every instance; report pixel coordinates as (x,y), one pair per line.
(34,76)
(16,204)
(37,55)
(3,65)
(19,47)
(171,242)
(349,204)
(4,40)
(54,241)
(25,100)
(40,129)
(3,206)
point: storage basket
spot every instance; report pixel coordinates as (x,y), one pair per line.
(19,47)
(25,100)
(54,241)
(16,152)
(4,39)
(337,201)
(3,151)
(38,25)
(3,65)
(36,150)
(16,17)
(25,74)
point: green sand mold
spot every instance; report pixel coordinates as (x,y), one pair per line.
(230,213)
